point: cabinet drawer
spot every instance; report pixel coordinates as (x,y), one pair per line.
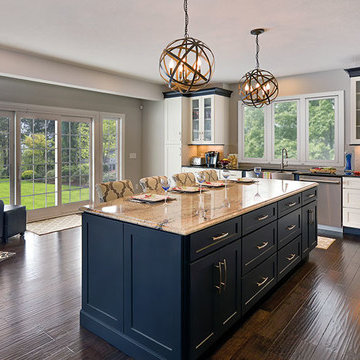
(351,217)
(308,195)
(351,198)
(288,257)
(258,218)
(351,183)
(289,204)
(258,245)
(289,227)
(212,238)
(258,282)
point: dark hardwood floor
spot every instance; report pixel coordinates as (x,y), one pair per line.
(314,314)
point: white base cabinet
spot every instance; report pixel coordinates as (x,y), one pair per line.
(351,202)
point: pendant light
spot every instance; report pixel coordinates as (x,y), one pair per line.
(186,64)
(258,87)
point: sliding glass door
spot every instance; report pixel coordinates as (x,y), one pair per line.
(6,157)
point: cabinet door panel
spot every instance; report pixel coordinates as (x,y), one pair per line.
(152,287)
(309,228)
(102,295)
(204,277)
(288,257)
(229,305)
(351,198)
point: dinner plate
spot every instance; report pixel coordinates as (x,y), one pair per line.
(150,198)
(213,184)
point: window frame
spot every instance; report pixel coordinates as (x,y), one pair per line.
(302,130)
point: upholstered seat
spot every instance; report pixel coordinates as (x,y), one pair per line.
(210,175)
(152,183)
(12,220)
(185,179)
(114,190)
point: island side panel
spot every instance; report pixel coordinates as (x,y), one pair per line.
(102,270)
(153,289)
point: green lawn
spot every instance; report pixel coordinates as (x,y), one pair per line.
(41,200)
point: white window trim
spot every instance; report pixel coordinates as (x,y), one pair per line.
(302,127)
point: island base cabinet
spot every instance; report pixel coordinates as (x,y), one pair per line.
(309,228)
(215,301)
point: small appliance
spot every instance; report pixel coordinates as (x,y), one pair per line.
(211,158)
(197,161)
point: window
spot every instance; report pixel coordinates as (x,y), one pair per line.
(254,133)
(310,127)
(111,147)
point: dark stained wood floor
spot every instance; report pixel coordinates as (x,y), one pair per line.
(314,315)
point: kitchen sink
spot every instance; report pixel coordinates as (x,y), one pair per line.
(282,175)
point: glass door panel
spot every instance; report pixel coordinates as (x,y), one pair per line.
(38,174)
(75,164)
(195,120)
(357,132)
(207,119)
(5,157)
(110,149)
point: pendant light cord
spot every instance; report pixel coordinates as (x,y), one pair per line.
(257,51)
(186,18)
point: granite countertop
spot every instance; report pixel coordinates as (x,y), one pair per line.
(339,173)
(191,212)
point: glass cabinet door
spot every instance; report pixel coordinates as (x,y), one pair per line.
(207,119)
(357,109)
(195,120)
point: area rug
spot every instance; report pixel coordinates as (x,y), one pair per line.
(56,224)
(4,255)
(324,242)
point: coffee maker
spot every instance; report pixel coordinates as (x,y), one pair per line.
(211,158)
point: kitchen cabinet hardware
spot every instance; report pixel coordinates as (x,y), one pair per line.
(291,227)
(218,287)
(265,279)
(261,218)
(291,257)
(264,244)
(219,237)
(292,204)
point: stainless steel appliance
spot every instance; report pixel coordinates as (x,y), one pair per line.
(329,201)
(197,160)
(211,158)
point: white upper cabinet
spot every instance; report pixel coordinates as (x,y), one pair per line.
(209,119)
(355,110)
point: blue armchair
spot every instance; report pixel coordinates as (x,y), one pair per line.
(12,220)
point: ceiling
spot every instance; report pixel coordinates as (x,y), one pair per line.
(127,37)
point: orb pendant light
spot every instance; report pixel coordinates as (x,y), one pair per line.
(258,87)
(186,64)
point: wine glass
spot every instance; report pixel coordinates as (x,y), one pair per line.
(200,178)
(225,174)
(257,171)
(165,184)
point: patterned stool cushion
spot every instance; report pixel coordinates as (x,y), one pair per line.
(185,179)
(210,175)
(114,190)
(152,183)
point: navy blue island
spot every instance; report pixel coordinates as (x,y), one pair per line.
(166,282)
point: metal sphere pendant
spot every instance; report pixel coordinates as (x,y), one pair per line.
(258,88)
(187,64)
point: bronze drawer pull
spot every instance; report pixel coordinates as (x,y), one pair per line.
(291,257)
(263,217)
(265,243)
(223,235)
(292,204)
(291,227)
(223,283)
(262,282)
(218,266)
(311,195)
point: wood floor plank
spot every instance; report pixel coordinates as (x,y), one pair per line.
(314,314)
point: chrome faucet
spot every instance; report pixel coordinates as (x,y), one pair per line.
(284,157)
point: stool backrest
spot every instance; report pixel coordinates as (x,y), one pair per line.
(114,190)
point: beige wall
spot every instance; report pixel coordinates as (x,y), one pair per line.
(27,92)
(153,138)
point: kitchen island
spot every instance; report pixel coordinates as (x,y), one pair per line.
(166,282)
